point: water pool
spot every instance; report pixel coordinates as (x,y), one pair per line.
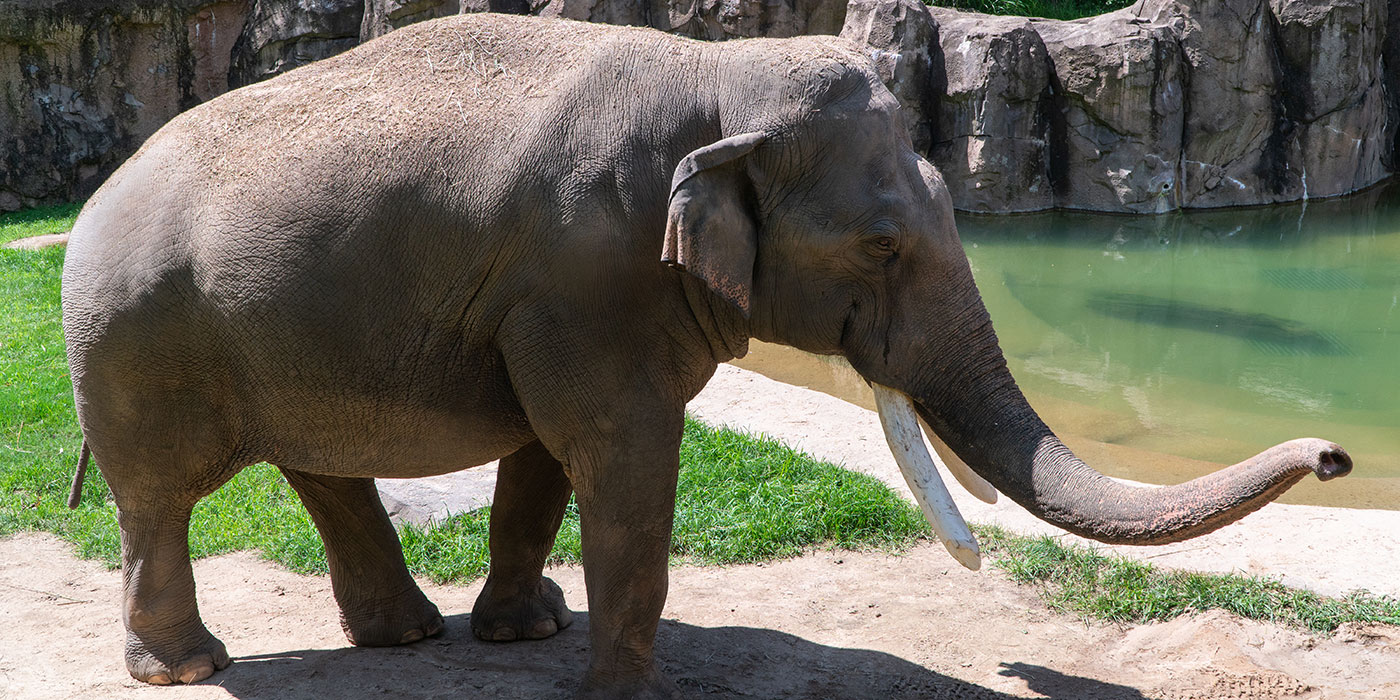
(1162,347)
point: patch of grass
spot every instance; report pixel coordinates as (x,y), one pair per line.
(40,439)
(39,221)
(1077,580)
(740,499)
(1051,9)
(36,403)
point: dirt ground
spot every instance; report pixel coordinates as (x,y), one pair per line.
(827,625)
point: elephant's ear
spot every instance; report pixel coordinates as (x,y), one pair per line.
(710,231)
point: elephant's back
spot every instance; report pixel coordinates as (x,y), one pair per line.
(446,117)
(448,93)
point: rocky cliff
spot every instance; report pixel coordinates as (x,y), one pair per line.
(1164,105)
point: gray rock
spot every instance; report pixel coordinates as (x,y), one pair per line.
(1119,94)
(1166,104)
(1234,142)
(1331,54)
(706,19)
(1390,61)
(433,499)
(82,84)
(384,16)
(992,136)
(282,34)
(903,37)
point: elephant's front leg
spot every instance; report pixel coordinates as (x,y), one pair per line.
(626,511)
(517,601)
(380,603)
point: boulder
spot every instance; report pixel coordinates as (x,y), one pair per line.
(1331,55)
(992,139)
(1119,88)
(903,38)
(84,83)
(1235,140)
(384,16)
(706,19)
(1390,62)
(282,34)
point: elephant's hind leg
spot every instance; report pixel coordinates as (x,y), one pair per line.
(166,642)
(517,601)
(380,603)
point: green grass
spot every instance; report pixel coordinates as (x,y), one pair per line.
(36,222)
(1053,9)
(740,499)
(1077,580)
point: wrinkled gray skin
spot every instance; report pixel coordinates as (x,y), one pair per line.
(446,247)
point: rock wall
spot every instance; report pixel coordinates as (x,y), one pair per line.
(1164,105)
(1170,104)
(279,35)
(82,84)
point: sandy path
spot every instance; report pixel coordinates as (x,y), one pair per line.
(828,625)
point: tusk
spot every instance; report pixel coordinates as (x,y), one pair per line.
(906,441)
(970,480)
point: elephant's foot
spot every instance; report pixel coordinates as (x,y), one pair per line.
(193,663)
(508,613)
(652,686)
(383,622)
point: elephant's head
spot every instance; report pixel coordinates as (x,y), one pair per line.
(819,223)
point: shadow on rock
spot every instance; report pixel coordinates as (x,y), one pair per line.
(719,662)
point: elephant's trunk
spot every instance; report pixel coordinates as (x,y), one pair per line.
(974,405)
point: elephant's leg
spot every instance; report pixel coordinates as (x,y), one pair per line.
(380,603)
(626,516)
(517,602)
(166,642)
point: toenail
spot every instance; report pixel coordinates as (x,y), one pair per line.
(196,674)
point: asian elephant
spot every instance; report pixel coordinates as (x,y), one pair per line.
(489,237)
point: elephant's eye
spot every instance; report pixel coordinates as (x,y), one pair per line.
(882,240)
(884,246)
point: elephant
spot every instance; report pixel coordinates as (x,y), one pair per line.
(492,237)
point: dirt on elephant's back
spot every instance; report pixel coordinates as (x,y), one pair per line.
(827,625)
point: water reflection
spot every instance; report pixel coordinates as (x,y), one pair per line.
(1161,347)
(1224,328)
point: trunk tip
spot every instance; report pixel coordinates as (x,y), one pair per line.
(1326,459)
(1332,462)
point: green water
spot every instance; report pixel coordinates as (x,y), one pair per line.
(1208,335)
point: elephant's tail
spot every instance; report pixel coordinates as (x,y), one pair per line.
(75,493)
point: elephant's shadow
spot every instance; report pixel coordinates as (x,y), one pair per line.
(718,662)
